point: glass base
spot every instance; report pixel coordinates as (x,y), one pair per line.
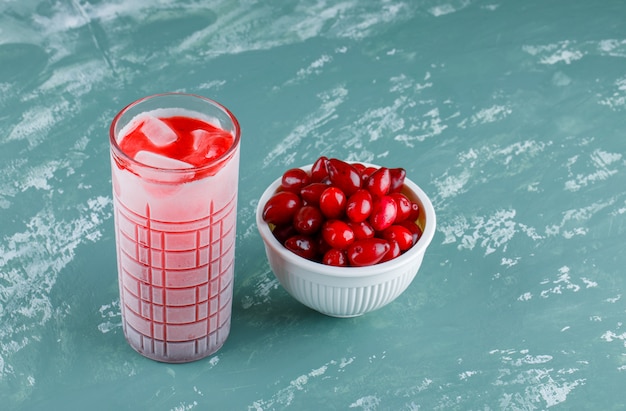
(177,351)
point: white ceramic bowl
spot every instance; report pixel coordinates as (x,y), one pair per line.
(347,291)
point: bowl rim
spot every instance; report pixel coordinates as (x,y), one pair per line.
(348,272)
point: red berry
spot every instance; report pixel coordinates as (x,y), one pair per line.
(415,230)
(333,202)
(400,235)
(335,257)
(384,213)
(359,167)
(359,206)
(294,179)
(367,252)
(367,172)
(415,211)
(362,230)
(337,234)
(344,176)
(379,182)
(281,208)
(283,232)
(322,245)
(308,220)
(394,251)
(302,245)
(397,179)
(403,206)
(311,193)
(319,172)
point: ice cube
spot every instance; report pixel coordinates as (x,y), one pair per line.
(200,138)
(214,144)
(159,133)
(160,161)
(218,146)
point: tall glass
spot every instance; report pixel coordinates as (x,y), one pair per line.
(175,239)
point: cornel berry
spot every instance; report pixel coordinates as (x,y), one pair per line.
(344,214)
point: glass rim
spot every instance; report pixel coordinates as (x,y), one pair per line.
(211,163)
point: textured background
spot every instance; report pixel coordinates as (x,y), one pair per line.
(510,114)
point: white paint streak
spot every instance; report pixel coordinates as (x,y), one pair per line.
(261,293)
(486,115)
(283,152)
(29,264)
(112,316)
(490,233)
(285,396)
(605,165)
(37,122)
(573,221)
(554,53)
(529,387)
(467,172)
(366,403)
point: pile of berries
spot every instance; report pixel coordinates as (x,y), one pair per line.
(343,214)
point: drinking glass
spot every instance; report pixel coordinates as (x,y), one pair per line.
(175,238)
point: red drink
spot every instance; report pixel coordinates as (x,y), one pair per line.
(190,141)
(175,161)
